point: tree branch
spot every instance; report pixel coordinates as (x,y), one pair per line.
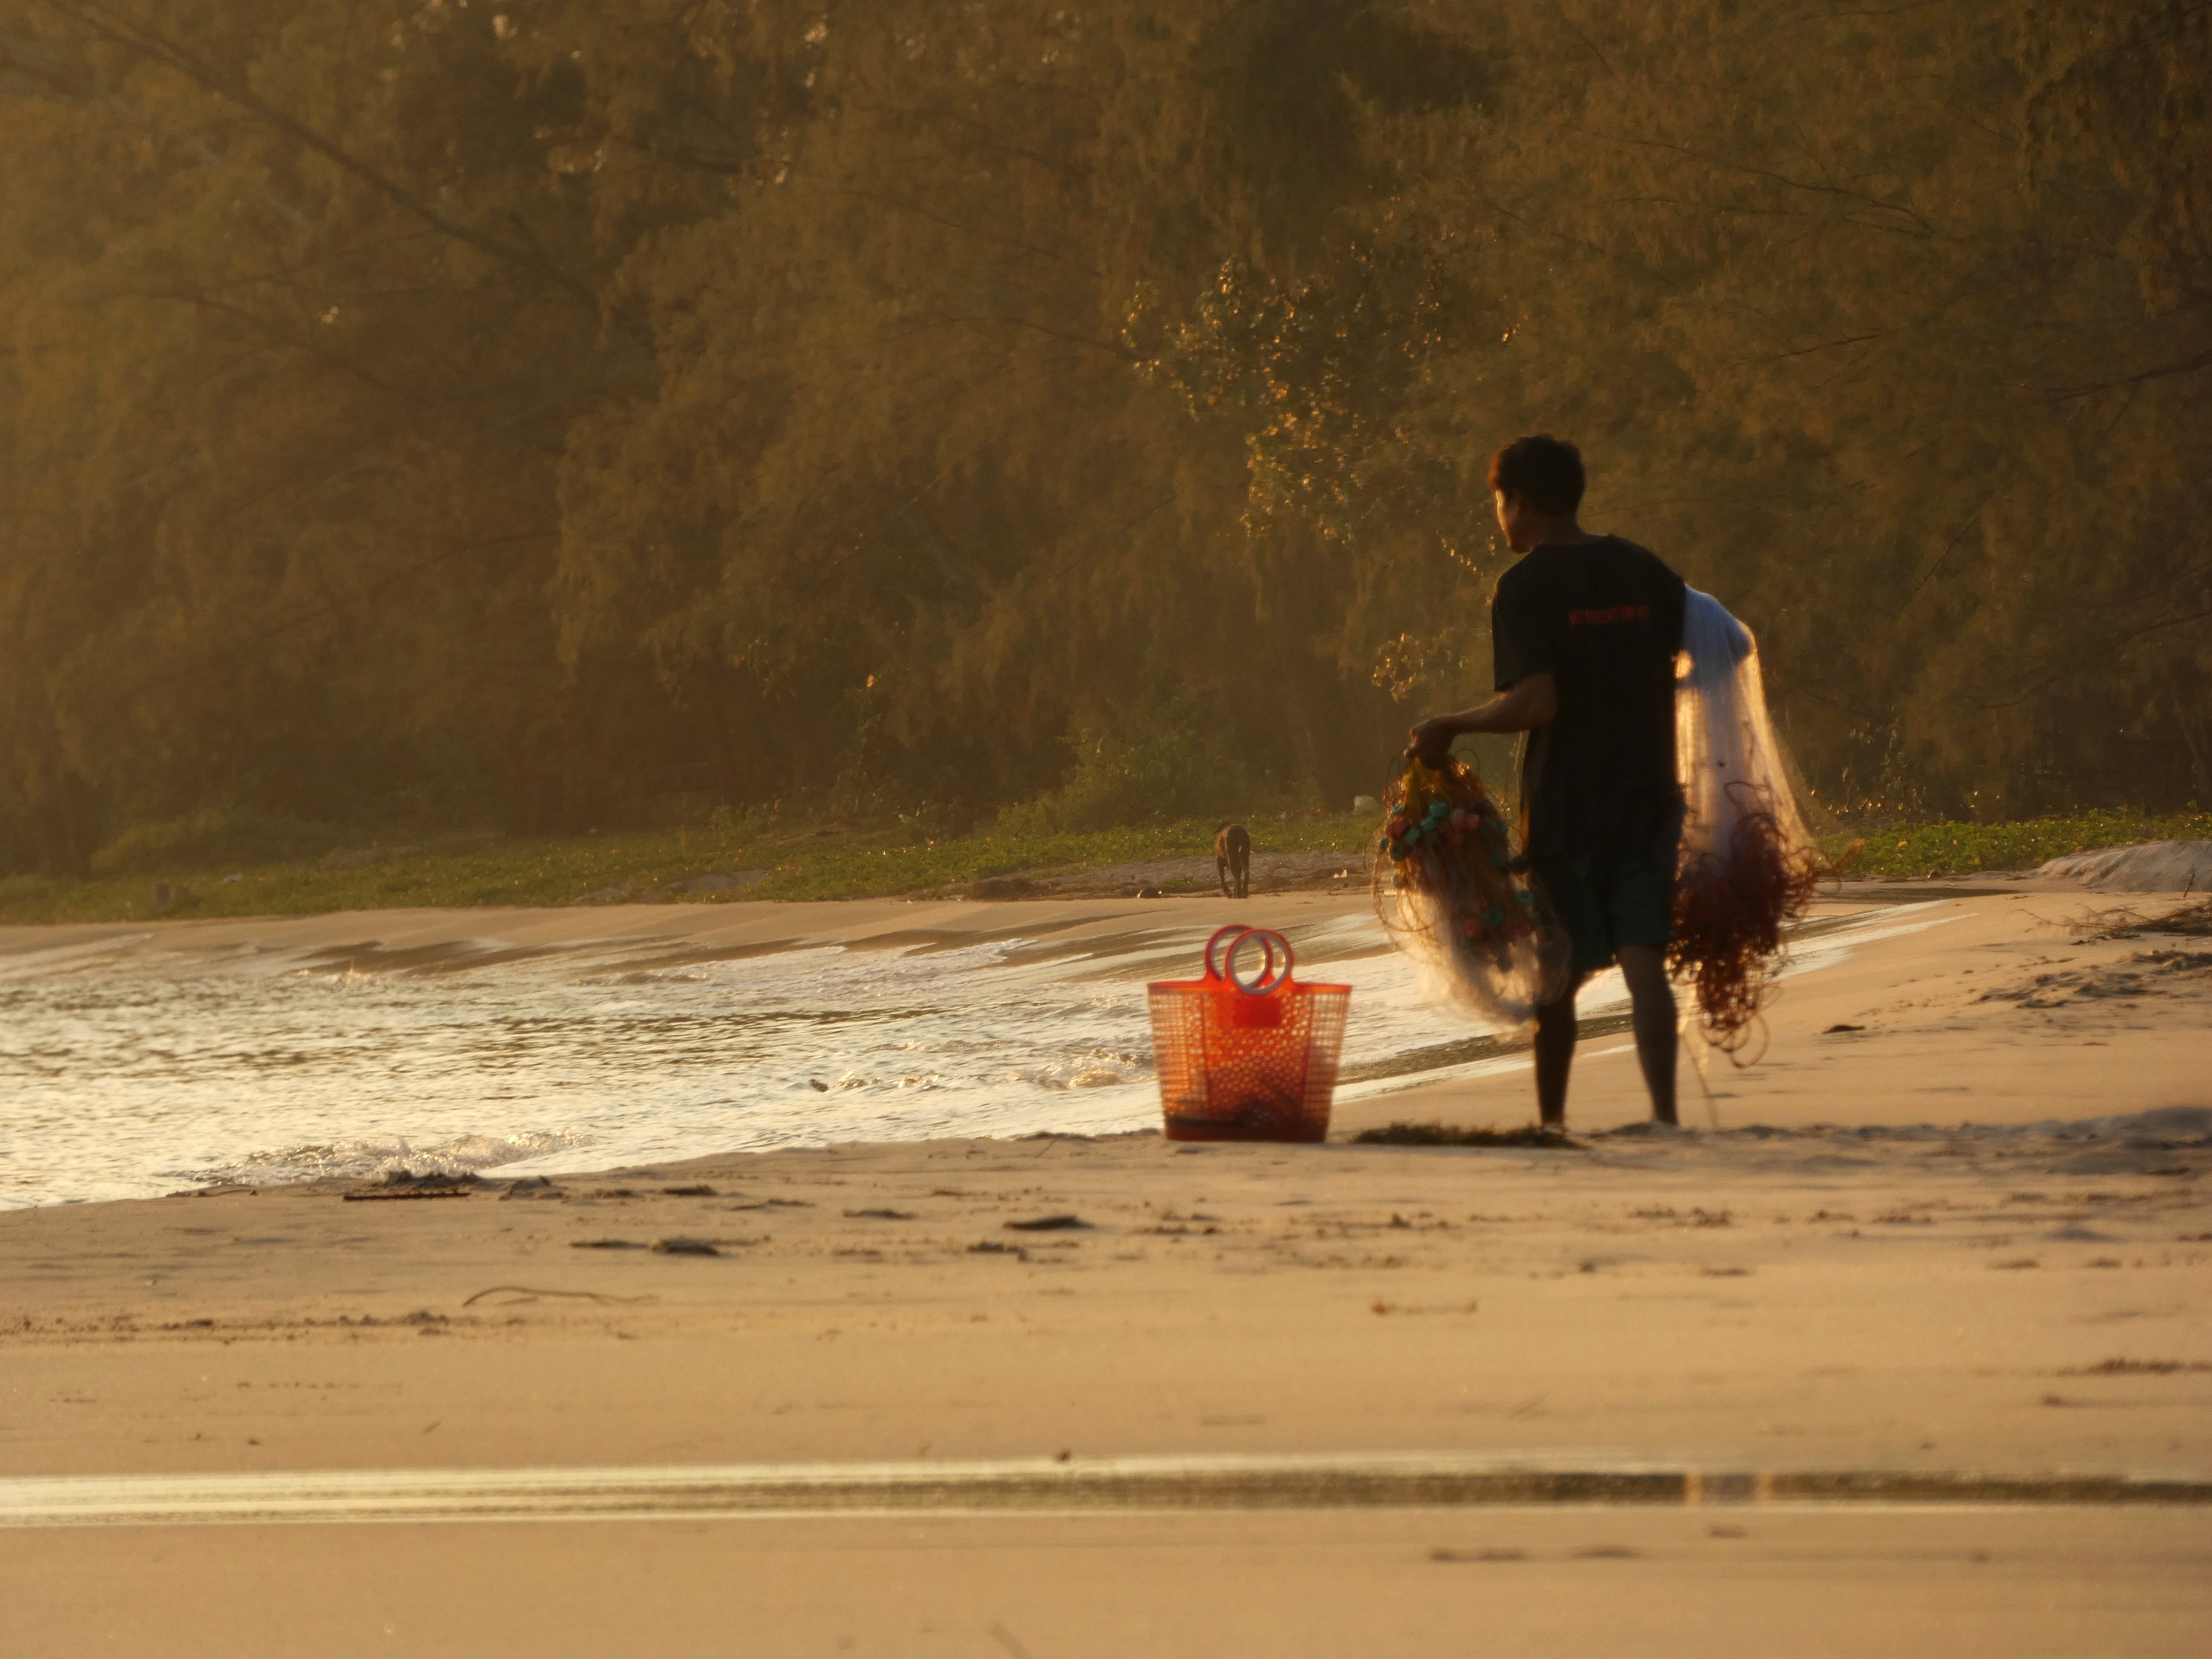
(230,647)
(1782,179)
(2187,365)
(953,224)
(264,327)
(134,35)
(2097,657)
(1039,328)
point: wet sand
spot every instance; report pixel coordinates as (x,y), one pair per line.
(694,932)
(2024,1296)
(2036,1585)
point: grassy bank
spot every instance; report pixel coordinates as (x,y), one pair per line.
(1944,848)
(820,862)
(862,861)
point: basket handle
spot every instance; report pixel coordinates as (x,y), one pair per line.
(1271,978)
(1234,931)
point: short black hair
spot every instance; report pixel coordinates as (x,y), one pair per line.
(1545,471)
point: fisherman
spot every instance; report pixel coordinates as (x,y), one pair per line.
(1584,631)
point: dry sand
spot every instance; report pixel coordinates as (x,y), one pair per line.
(2010,1298)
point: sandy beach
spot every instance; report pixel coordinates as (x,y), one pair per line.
(1951,1222)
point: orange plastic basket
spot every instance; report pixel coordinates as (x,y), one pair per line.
(1247,1058)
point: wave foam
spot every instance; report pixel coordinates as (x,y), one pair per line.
(368,1158)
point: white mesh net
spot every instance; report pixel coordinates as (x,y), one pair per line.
(1748,863)
(1727,755)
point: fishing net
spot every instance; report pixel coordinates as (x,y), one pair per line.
(1456,901)
(1748,865)
(1454,898)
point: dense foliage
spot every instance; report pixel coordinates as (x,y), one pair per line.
(421,412)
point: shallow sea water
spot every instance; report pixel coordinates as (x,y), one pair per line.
(127,1070)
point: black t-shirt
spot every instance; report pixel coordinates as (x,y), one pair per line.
(1604,618)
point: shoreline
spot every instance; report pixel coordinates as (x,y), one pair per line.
(789,923)
(2027,1298)
(1900,1007)
(1831,1224)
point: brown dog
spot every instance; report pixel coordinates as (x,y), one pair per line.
(1232,860)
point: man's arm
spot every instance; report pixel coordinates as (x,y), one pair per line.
(1531,701)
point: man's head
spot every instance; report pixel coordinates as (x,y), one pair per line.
(1538,483)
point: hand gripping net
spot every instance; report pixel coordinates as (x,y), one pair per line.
(1454,898)
(1748,867)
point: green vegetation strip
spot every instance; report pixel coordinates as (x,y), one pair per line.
(887,859)
(823,861)
(1944,848)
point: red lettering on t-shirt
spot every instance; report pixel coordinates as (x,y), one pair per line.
(1611,613)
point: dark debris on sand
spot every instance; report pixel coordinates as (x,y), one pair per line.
(684,1247)
(405,1183)
(1445,1134)
(2192,922)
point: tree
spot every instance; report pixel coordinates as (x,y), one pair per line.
(415,409)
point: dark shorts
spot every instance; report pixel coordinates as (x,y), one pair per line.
(1607,900)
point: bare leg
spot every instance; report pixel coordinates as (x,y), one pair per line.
(1652,997)
(1555,1054)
